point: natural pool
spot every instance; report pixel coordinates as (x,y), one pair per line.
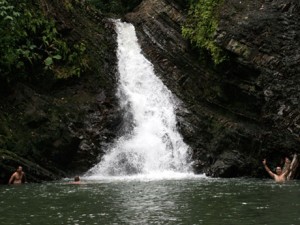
(144,201)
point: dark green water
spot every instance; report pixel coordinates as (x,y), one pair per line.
(187,201)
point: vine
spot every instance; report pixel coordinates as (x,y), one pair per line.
(201,25)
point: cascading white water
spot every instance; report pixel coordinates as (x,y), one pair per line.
(152,144)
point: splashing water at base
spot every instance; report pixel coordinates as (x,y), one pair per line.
(152,145)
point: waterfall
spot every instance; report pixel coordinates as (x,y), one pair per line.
(152,144)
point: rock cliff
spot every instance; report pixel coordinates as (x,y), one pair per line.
(58,128)
(236,114)
(232,115)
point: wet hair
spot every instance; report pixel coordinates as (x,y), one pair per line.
(76,178)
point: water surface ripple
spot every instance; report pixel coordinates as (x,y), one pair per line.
(188,201)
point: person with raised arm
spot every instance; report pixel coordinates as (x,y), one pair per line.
(279,176)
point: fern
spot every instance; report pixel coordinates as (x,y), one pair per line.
(201,25)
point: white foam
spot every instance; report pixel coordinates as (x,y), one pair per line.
(152,148)
(154,176)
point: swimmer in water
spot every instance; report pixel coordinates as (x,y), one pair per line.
(17,177)
(279,176)
(76,180)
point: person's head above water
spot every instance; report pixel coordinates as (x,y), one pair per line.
(278,170)
(19,169)
(76,178)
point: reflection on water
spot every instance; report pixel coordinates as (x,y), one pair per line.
(186,201)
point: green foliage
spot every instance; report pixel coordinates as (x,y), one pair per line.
(68,5)
(29,41)
(201,25)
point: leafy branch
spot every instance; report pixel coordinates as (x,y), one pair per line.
(201,25)
(29,40)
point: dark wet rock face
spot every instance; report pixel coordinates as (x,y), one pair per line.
(247,109)
(266,35)
(61,128)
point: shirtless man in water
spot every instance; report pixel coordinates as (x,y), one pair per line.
(17,177)
(279,176)
(76,180)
